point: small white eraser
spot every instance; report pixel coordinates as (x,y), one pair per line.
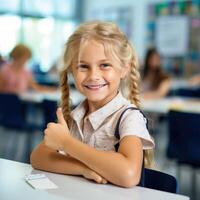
(40,181)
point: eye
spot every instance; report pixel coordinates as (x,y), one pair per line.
(105,65)
(82,67)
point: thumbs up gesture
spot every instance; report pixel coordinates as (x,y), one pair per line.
(56,134)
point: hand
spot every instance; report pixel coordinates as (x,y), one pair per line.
(91,175)
(57,133)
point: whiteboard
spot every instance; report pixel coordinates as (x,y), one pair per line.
(172,35)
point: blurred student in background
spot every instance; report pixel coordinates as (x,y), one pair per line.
(155,81)
(15,77)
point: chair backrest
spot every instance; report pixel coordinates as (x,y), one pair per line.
(160,181)
(12,111)
(49,110)
(184,137)
(188,92)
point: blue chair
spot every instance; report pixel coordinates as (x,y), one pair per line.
(49,111)
(188,92)
(13,117)
(160,181)
(184,141)
(12,111)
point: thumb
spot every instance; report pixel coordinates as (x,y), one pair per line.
(60,117)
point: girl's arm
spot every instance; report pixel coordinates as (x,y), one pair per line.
(44,158)
(41,88)
(162,91)
(122,168)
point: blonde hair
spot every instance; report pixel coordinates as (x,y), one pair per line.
(115,43)
(20,51)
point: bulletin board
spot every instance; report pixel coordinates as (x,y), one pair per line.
(172,35)
(174,29)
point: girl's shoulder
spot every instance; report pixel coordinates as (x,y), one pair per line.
(134,122)
(131,111)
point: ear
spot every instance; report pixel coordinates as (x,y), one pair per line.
(125,70)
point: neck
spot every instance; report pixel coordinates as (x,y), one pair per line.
(17,66)
(93,106)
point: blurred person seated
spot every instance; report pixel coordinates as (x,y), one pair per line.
(15,77)
(155,81)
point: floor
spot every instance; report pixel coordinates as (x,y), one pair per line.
(12,146)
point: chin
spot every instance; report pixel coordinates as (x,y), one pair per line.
(95,99)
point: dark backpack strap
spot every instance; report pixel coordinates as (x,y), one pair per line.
(117,135)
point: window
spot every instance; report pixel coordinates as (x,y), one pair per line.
(44,26)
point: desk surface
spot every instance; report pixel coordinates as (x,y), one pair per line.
(163,105)
(13,186)
(38,97)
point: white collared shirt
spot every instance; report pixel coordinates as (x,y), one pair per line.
(99,126)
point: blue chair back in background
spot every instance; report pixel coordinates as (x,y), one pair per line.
(49,110)
(12,111)
(184,141)
(184,137)
(13,118)
(160,181)
(188,92)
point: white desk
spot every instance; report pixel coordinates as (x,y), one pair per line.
(163,105)
(38,97)
(13,186)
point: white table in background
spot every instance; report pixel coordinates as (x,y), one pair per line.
(13,187)
(163,105)
(38,97)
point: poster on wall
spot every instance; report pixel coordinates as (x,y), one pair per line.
(172,35)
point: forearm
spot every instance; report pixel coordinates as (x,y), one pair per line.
(113,166)
(42,88)
(153,94)
(43,158)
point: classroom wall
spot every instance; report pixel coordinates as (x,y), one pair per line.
(139,17)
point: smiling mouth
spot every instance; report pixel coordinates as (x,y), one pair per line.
(95,87)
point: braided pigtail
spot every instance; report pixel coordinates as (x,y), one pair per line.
(65,100)
(134,79)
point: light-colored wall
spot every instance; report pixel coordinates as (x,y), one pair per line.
(139,17)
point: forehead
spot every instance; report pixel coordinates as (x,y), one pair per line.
(91,49)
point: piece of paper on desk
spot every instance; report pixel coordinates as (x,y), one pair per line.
(61,152)
(40,181)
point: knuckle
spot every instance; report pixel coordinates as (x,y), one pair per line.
(50,125)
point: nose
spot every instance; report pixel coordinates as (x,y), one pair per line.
(95,73)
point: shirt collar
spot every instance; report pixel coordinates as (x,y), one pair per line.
(97,118)
(79,112)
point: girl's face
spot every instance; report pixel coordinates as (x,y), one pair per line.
(96,75)
(154,61)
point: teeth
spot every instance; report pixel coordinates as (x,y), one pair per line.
(95,86)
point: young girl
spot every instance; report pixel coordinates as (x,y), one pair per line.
(156,82)
(101,60)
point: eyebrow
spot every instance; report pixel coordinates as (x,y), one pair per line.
(103,60)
